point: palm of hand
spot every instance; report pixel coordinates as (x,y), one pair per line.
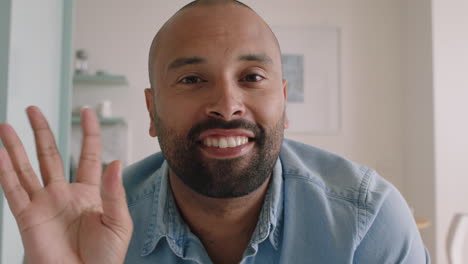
(61,217)
(62,222)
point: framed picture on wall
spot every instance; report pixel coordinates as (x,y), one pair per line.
(311,64)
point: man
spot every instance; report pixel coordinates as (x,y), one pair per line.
(226,188)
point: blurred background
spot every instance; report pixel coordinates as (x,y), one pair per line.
(402,89)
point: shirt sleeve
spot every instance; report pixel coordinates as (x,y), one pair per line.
(392,235)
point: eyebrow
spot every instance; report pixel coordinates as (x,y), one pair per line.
(263,58)
(180,62)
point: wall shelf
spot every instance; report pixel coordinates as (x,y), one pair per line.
(104,79)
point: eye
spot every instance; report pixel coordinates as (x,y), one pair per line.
(192,79)
(253,77)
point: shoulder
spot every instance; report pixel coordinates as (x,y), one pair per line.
(339,182)
(334,174)
(359,207)
(139,178)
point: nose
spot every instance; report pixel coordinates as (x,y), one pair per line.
(226,102)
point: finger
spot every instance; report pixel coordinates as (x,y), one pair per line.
(114,204)
(90,167)
(50,162)
(17,197)
(19,159)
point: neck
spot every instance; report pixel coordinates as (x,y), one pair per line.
(223,225)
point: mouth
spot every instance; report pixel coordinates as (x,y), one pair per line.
(224,144)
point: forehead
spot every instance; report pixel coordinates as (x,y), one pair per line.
(219,31)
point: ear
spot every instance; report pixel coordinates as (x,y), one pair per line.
(285,94)
(150,106)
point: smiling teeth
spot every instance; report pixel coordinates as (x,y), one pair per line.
(225,142)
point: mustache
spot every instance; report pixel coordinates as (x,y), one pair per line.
(199,128)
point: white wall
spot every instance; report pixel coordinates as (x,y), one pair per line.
(5,12)
(418,114)
(117,34)
(33,79)
(436,146)
(450,40)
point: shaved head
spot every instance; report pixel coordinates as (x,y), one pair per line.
(214,2)
(166,29)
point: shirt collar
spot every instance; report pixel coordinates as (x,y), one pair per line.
(271,216)
(166,222)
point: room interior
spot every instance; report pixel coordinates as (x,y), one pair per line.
(400,89)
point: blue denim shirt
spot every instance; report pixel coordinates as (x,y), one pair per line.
(319,208)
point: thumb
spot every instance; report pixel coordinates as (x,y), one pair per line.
(114,203)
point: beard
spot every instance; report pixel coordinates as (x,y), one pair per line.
(224,178)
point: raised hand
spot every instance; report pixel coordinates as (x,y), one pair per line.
(82,222)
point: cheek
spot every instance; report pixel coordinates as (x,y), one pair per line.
(268,112)
(178,114)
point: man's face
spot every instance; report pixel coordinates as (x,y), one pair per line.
(219,99)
